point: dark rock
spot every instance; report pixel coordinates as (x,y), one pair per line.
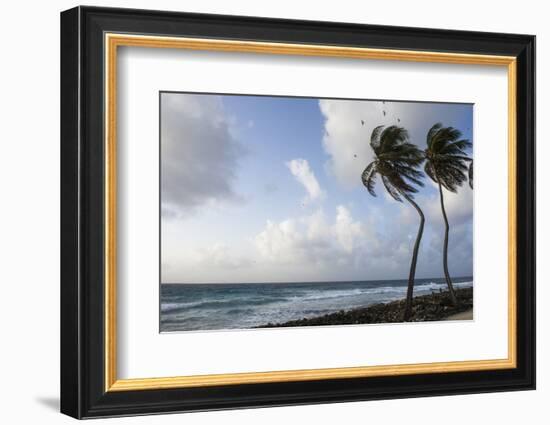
(433,307)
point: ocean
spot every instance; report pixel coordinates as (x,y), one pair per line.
(193,307)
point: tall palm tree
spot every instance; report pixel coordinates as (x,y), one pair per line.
(447,165)
(396,161)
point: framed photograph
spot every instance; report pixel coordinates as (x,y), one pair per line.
(261,212)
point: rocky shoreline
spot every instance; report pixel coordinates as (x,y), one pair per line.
(433,307)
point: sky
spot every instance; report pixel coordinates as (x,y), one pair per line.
(268,189)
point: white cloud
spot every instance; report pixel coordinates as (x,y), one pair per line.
(317,226)
(280,242)
(304,175)
(325,246)
(211,262)
(220,256)
(458,206)
(347,231)
(312,240)
(346,139)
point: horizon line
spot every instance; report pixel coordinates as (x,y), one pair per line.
(312,281)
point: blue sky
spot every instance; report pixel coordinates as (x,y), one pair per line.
(268,189)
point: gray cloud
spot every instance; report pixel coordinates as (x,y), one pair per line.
(199,155)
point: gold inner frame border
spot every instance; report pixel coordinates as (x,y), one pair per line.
(111,43)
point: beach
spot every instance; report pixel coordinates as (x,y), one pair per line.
(433,307)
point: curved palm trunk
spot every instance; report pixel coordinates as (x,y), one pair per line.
(408,301)
(445,247)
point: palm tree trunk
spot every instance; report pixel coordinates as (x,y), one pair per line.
(408,301)
(445,248)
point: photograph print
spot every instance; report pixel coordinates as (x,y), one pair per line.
(294,211)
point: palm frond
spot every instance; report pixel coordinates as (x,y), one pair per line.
(392,137)
(401,183)
(443,137)
(431,132)
(394,193)
(446,157)
(457,147)
(368,177)
(375,138)
(397,161)
(430,172)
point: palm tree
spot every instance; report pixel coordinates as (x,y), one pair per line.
(396,161)
(447,165)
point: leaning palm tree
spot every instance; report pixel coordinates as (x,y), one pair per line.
(447,165)
(396,161)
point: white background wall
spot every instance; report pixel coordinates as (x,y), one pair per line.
(29,212)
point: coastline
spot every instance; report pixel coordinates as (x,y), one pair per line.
(433,307)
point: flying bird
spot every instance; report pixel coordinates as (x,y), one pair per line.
(384,112)
(362,122)
(398,120)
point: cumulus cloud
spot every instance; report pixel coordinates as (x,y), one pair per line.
(347,231)
(281,241)
(199,155)
(304,175)
(312,239)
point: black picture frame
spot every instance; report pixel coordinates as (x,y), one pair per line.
(83,392)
